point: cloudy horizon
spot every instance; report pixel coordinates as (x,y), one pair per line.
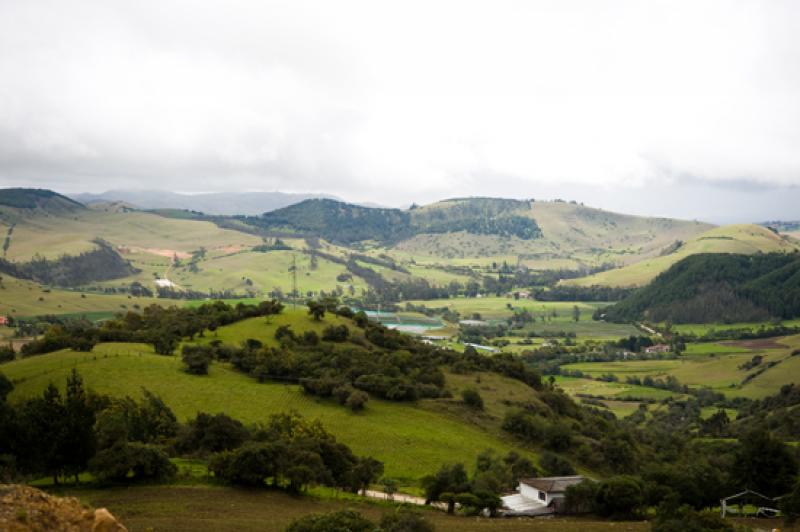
(685,109)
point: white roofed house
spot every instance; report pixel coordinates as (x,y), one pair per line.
(539,496)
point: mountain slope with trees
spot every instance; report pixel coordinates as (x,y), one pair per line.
(708,288)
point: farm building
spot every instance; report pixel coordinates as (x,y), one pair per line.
(658,348)
(539,496)
(3,320)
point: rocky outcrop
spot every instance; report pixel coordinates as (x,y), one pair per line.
(26,509)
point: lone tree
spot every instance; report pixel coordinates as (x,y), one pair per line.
(316,309)
(576,313)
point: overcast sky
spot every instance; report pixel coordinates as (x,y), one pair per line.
(675,108)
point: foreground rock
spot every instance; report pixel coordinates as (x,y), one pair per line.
(24,509)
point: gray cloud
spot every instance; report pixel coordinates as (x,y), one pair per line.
(413,101)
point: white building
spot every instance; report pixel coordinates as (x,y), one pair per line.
(539,496)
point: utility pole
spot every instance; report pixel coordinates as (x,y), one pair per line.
(294,282)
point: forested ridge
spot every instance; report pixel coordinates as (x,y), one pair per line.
(345,223)
(717,287)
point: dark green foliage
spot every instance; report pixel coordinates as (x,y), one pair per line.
(765,464)
(554,465)
(342,521)
(125,461)
(336,333)
(472,399)
(404,520)
(292,453)
(581,498)
(31,198)
(620,498)
(790,505)
(6,387)
(7,353)
(717,287)
(100,264)
(196,359)
(78,441)
(209,433)
(357,400)
(316,309)
(448,481)
(671,517)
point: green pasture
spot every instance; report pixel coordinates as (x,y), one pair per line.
(719,371)
(24,298)
(411,440)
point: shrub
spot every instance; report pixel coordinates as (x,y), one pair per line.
(620,497)
(133,460)
(555,465)
(342,521)
(196,359)
(472,399)
(405,521)
(335,333)
(7,353)
(357,400)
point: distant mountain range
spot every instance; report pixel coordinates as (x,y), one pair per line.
(218,203)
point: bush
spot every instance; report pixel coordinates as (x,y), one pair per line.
(405,521)
(620,497)
(211,434)
(196,358)
(555,465)
(472,399)
(7,353)
(336,333)
(131,460)
(342,521)
(357,400)
(673,518)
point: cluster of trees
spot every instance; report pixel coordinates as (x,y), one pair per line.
(350,364)
(717,287)
(159,326)
(63,435)
(492,476)
(582,293)
(123,440)
(291,453)
(272,245)
(690,483)
(101,264)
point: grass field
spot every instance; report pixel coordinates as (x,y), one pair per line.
(715,367)
(411,440)
(700,329)
(52,236)
(195,508)
(23,299)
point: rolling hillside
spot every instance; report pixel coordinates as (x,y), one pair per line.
(413,439)
(742,238)
(572,236)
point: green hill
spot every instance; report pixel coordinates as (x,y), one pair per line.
(718,287)
(40,199)
(346,224)
(741,238)
(412,438)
